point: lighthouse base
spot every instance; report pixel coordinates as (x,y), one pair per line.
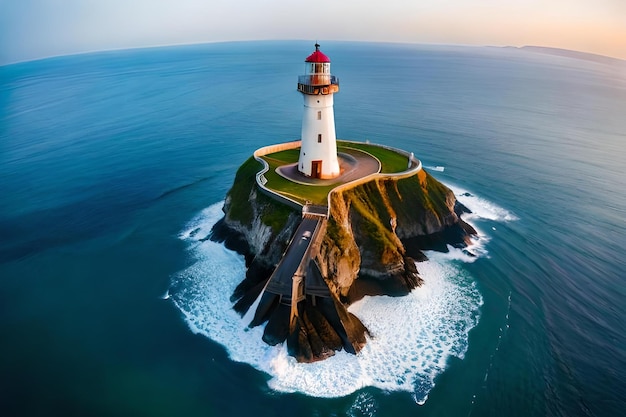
(353,164)
(320,170)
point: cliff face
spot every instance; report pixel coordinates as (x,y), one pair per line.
(374,233)
(378,229)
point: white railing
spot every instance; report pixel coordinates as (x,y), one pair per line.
(414,166)
(318,79)
(260,176)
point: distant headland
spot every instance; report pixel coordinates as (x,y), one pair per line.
(587,56)
(323,222)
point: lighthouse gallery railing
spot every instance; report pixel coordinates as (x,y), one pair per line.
(318,79)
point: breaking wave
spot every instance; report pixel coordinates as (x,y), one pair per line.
(437,168)
(412,336)
(480,207)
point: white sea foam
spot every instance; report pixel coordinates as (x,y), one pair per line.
(412,336)
(480,207)
(200,226)
(364,405)
(466,255)
(437,168)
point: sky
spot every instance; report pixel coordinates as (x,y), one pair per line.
(32,29)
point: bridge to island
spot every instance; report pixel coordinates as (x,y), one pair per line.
(298,277)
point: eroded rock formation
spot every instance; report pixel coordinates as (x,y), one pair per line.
(373,236)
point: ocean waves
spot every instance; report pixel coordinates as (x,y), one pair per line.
(412,337)
(480,207)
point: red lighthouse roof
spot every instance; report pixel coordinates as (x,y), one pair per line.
(317,56)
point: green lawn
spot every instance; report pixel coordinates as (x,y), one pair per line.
(283,157)
(317,194)
(391,161)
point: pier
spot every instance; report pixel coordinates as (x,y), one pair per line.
(297,275)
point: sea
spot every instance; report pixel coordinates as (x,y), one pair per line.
(114,166)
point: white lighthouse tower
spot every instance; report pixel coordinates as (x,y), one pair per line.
(318,153)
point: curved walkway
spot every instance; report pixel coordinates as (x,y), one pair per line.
(353,164)
(350,178)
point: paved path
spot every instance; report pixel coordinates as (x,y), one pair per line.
(353,164)
(281,280)
(286,285)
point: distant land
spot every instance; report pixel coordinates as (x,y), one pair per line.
(602,59)
(588,56)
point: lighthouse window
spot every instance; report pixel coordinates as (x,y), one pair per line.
(319,115)
(319,138)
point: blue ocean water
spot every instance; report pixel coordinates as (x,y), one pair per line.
(108,159)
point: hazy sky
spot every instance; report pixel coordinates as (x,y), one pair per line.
(37,28)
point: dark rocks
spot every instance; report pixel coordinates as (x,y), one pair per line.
(223,233)
(457,235)
(460,208)
(323,327)
(277,327)
(411,276)
(373,238)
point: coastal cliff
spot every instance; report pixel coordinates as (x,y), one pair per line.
(374,234)
(377,230)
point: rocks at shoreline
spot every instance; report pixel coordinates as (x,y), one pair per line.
(375,233)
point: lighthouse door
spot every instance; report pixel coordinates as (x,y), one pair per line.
(316,169)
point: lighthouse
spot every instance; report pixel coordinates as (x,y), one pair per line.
(318,152)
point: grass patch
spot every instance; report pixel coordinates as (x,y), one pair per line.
(338,235)
(369,204)
(289,156)
(317,194)
(392,162)
(245,179)
(275,214)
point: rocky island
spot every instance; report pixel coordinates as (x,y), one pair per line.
(374,233)
(323,223)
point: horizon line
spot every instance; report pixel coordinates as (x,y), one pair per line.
(593,56)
